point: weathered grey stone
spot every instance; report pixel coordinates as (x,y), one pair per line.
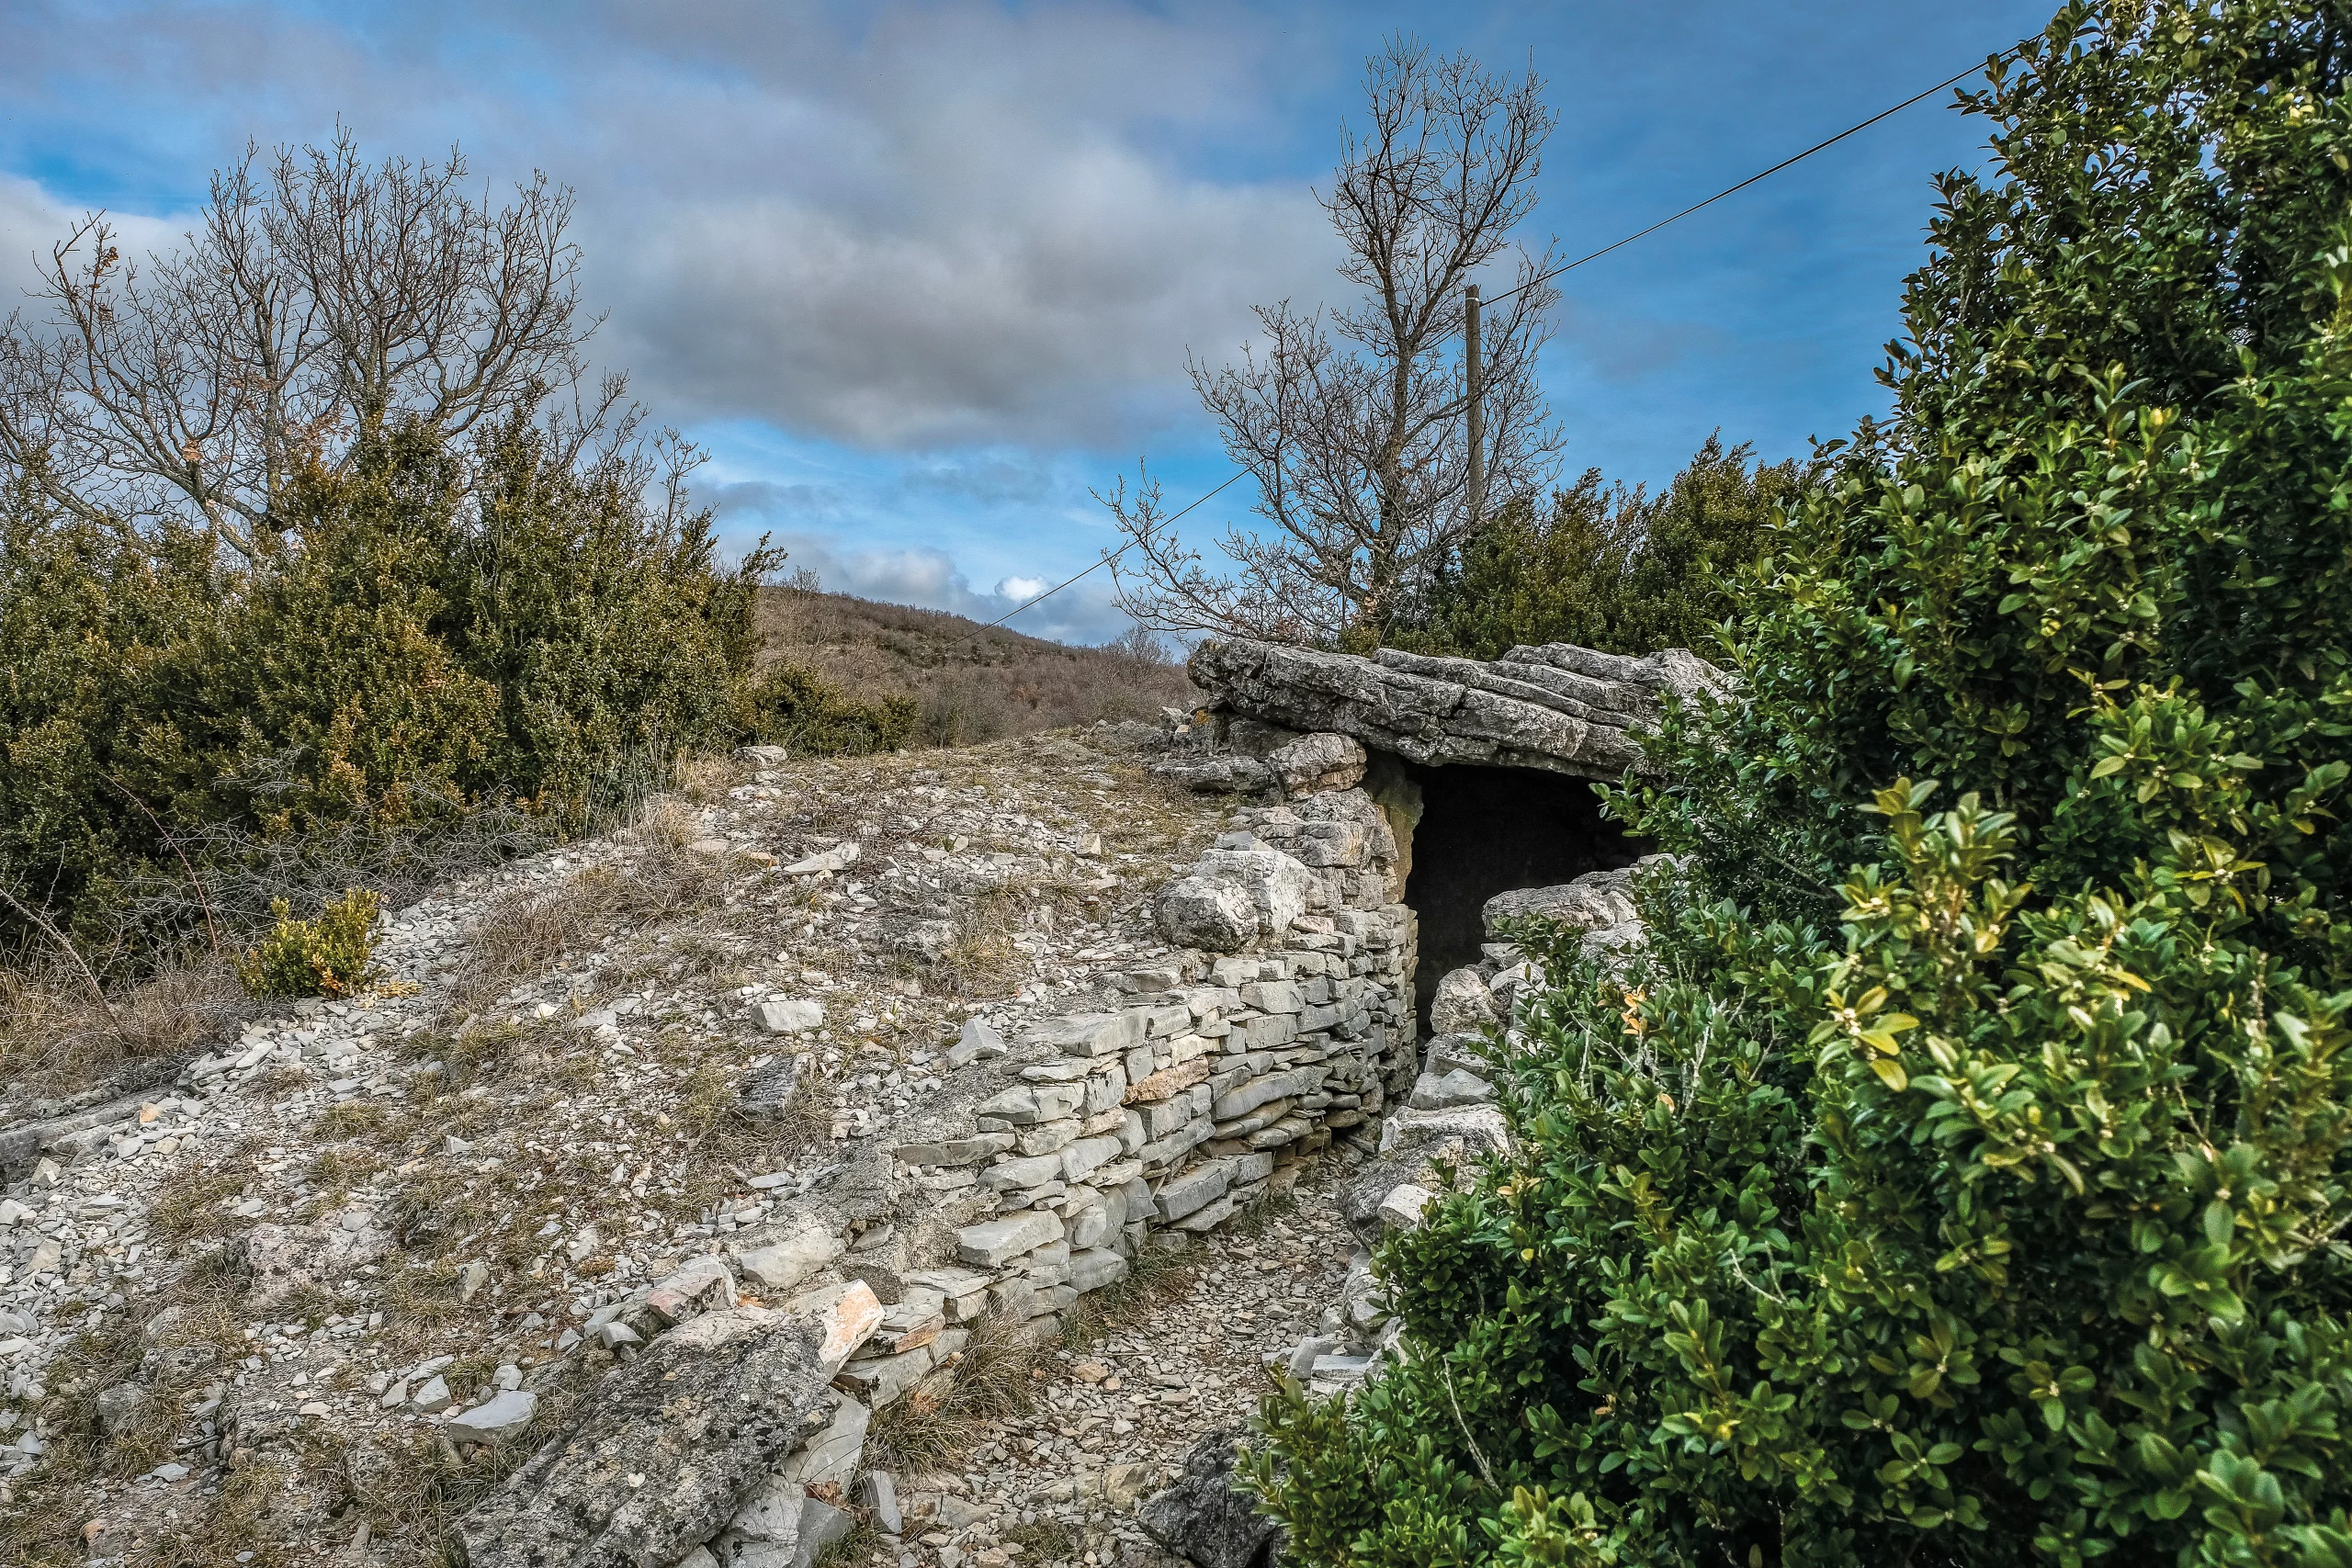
(1204,1518)
(952,1151)
(791,1015)
(993,1243)
(705,1413)
(1225,773)
(977,1040)
(120,1405)
(843,1316)
(698,1285)
(1674,670)
(881,1380)
(1095,1268)
(502,1417)
(1246,1097)
(1532,710)
(1335,1375)
(1047,1137)
(283,1259)
(963,1292)
(782,1527)
(1313,763)
(1090,1034)
(1443,1091)
(1233,899)
(1596,899)
(1462,1004)
(1412,1143)
(1088,1223)
(1194,1190)
(1084,1158)
(796,1250)
(831,1455)
(1012,1175)
(1401,1210)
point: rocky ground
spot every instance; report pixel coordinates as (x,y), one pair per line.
(236,1315)
(1116,1404)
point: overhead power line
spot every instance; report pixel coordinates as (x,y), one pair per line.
(1571,266)
(1735,190)
(1106,561)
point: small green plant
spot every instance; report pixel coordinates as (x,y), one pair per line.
(326,957)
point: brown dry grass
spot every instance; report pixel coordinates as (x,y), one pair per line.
(413,1491)
(704,780)
(44,1523)
(723,1139)
(941,1418)
(520,933)
(56,1038)
(194,1204)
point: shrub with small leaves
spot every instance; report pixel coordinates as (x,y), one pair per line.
(330,956)
(1962,1173)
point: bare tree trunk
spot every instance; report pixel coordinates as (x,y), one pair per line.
(1351,422)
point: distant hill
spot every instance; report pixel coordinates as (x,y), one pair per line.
(974,683)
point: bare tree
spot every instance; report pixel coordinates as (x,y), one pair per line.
(317,299)
(1352,420)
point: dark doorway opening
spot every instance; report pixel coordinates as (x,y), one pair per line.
(1488,831)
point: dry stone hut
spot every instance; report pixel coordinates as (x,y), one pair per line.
(1479,769)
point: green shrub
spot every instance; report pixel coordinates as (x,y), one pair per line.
(788,706)
(1960,1176)
(1611,567)
(436,631)
(330,956)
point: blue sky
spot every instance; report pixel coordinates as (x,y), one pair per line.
(919,276)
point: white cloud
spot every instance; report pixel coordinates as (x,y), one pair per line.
(955,231)
(32,222)
(929,577)
(914,224)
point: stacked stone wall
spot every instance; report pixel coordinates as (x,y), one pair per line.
(1169,1115)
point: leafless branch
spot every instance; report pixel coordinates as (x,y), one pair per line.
(1352,420)
(318,297)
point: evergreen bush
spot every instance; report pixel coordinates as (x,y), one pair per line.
(326,957)
(1608,567)
(1960,1174)
(434,630)
(791,707)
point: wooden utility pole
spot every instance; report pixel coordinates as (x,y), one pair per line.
(1477,365)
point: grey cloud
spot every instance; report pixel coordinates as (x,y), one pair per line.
(989,481)
(911,225)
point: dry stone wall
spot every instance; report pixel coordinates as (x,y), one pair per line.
(1287,1021)
(1278,1019)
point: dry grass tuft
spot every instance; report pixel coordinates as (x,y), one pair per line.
(706,779)
(195,1204)
(56,1038)
(1044,1540)
(521,932)
(1155,1277)
(940,1419)
(44,1525)
(710,1112)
